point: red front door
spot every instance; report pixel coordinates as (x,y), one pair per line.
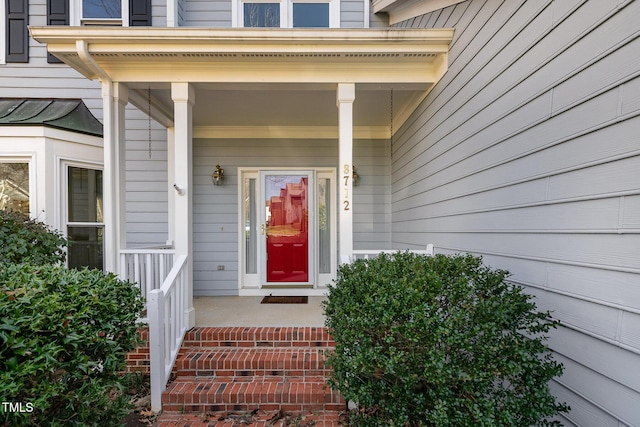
(287,227)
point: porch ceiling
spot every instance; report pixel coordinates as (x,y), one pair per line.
(261,77)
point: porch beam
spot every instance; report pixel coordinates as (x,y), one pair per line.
(114,99)
(346,94)
(183,96)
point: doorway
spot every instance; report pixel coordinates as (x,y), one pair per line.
(289,231)
(287,216)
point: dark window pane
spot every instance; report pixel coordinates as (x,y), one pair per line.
(85,195)
(102,9)
(85,247)
(311,15)
(261,14)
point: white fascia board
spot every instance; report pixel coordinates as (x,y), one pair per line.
(250,55)
(237,40)
(401,10)
(22,131)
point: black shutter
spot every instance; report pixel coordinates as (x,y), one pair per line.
(57,14)
(140,13)
(17,35)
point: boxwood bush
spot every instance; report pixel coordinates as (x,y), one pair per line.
(439,341)
(63,339)
(26,240)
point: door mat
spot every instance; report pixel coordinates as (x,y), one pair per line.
(284,300)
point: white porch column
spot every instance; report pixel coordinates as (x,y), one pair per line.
(115,97)
(183,96)
(171,178)
(346,94)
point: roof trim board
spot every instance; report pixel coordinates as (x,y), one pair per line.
(251,55)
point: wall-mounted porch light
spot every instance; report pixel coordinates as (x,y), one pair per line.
(217,176)
(355,176)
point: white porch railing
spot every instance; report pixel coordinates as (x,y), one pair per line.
(148,267)
(371,253)
(166,310)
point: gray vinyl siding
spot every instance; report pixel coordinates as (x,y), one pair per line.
(215,208)
(146,198)
(146,178)
(207,13)
(378,20)
(181,15)
(159,13)
(38,79)
(351,14)
(527,152)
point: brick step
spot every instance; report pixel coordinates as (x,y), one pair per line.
(269,337)
(252,376)
(213,394)
(243,362)
(256,418)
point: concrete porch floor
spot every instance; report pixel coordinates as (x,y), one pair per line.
(247,311)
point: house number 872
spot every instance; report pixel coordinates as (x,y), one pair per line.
(346,175)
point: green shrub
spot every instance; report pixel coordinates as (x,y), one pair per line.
(439,341)
(63,339)
(26,240)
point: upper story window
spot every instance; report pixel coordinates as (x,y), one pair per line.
(310,15)
(261,15)
(127,13)
(287,13)
(110,10)
(101,12)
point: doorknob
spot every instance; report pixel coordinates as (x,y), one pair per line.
(262,229)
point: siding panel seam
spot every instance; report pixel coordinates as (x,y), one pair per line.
(544,259)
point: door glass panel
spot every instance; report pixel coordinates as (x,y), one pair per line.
(14,187)
(261,15)
(324,225)
(250,221)
(287,228)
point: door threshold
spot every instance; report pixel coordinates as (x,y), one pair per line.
(287,286)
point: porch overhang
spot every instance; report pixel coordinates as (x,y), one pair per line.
(410,56)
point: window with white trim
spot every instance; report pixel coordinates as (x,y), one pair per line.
(85,226)
(3,34)
(14,185)
(287,13)
(99,12)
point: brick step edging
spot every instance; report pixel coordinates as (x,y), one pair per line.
(192,394)
(252,361)
(258,337)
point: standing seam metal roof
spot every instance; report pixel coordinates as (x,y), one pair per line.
(67,114)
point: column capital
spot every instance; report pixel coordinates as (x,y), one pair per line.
(346,92)
(121,93)
(183,92)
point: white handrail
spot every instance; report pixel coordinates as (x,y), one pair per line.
(166,310)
